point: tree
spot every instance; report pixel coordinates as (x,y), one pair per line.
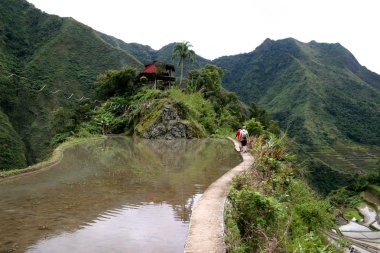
(182,51)
(207,79)
(254,127)
(117,83)
(264,118)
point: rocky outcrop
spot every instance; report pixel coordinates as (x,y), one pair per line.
(169,125)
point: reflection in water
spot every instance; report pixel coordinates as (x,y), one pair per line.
(111,195)
(111,232)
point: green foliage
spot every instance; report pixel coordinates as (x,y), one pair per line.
(357,119)
(352,213)
(109,123)
(230,112)
(254,127)
(344,197)
(272,210)
(44,60)
(63,120)
(197,108)
(233,238)
(117,83)
(324,178)
(207,80)
(309,213)
(209,111)
(264,118)
(66,122)
(182,51)
(106,119)
(193,111)
(311,243)
(11,146)
(321,97)
(254,210)
(140,114)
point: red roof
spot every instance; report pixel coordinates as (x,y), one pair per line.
(150,68)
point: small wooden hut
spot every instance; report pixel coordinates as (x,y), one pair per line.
(158,71)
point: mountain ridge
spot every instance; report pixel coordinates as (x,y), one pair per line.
(54,61)
(288,70)
(323,98)
(47,62)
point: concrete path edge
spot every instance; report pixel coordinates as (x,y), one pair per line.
(206,229)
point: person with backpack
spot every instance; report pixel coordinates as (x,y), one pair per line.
(244,136)
(238,138)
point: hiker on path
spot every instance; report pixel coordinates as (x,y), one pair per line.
(238,138)
(244,137)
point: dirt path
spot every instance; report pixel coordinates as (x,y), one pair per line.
(206,230)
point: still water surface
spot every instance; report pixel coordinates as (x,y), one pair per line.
(112,195)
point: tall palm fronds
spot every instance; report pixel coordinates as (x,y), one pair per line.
(182,51)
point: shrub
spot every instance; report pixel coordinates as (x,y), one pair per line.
(310,243)
(254,127)
(273,211)
(117,83)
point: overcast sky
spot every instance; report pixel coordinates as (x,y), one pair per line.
(227,27)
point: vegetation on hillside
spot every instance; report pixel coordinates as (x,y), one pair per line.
(271,210)
(130,105)
(312,89)
(277,211)
(11,147)
(321,96)
(46,62)
(182,52)
(318,92)
(262,200)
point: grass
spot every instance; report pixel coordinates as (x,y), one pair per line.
(352,213)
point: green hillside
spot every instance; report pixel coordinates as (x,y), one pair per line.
(46,62)
(318,92)
(11,147)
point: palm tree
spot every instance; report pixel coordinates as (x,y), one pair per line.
(182,51)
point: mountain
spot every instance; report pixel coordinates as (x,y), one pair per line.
(45,62)
(317,89)
(48,62)
(319,93)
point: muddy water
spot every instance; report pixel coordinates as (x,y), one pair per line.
(112,195)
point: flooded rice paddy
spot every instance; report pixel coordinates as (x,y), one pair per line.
(364,235)
(115,194)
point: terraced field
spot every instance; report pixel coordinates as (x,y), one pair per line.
(349,159)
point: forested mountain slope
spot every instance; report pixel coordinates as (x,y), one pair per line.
(319,92)
(322,97)
(45,62)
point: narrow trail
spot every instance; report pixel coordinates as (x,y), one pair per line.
(206,229)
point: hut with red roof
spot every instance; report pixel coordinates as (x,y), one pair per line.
(158,72)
